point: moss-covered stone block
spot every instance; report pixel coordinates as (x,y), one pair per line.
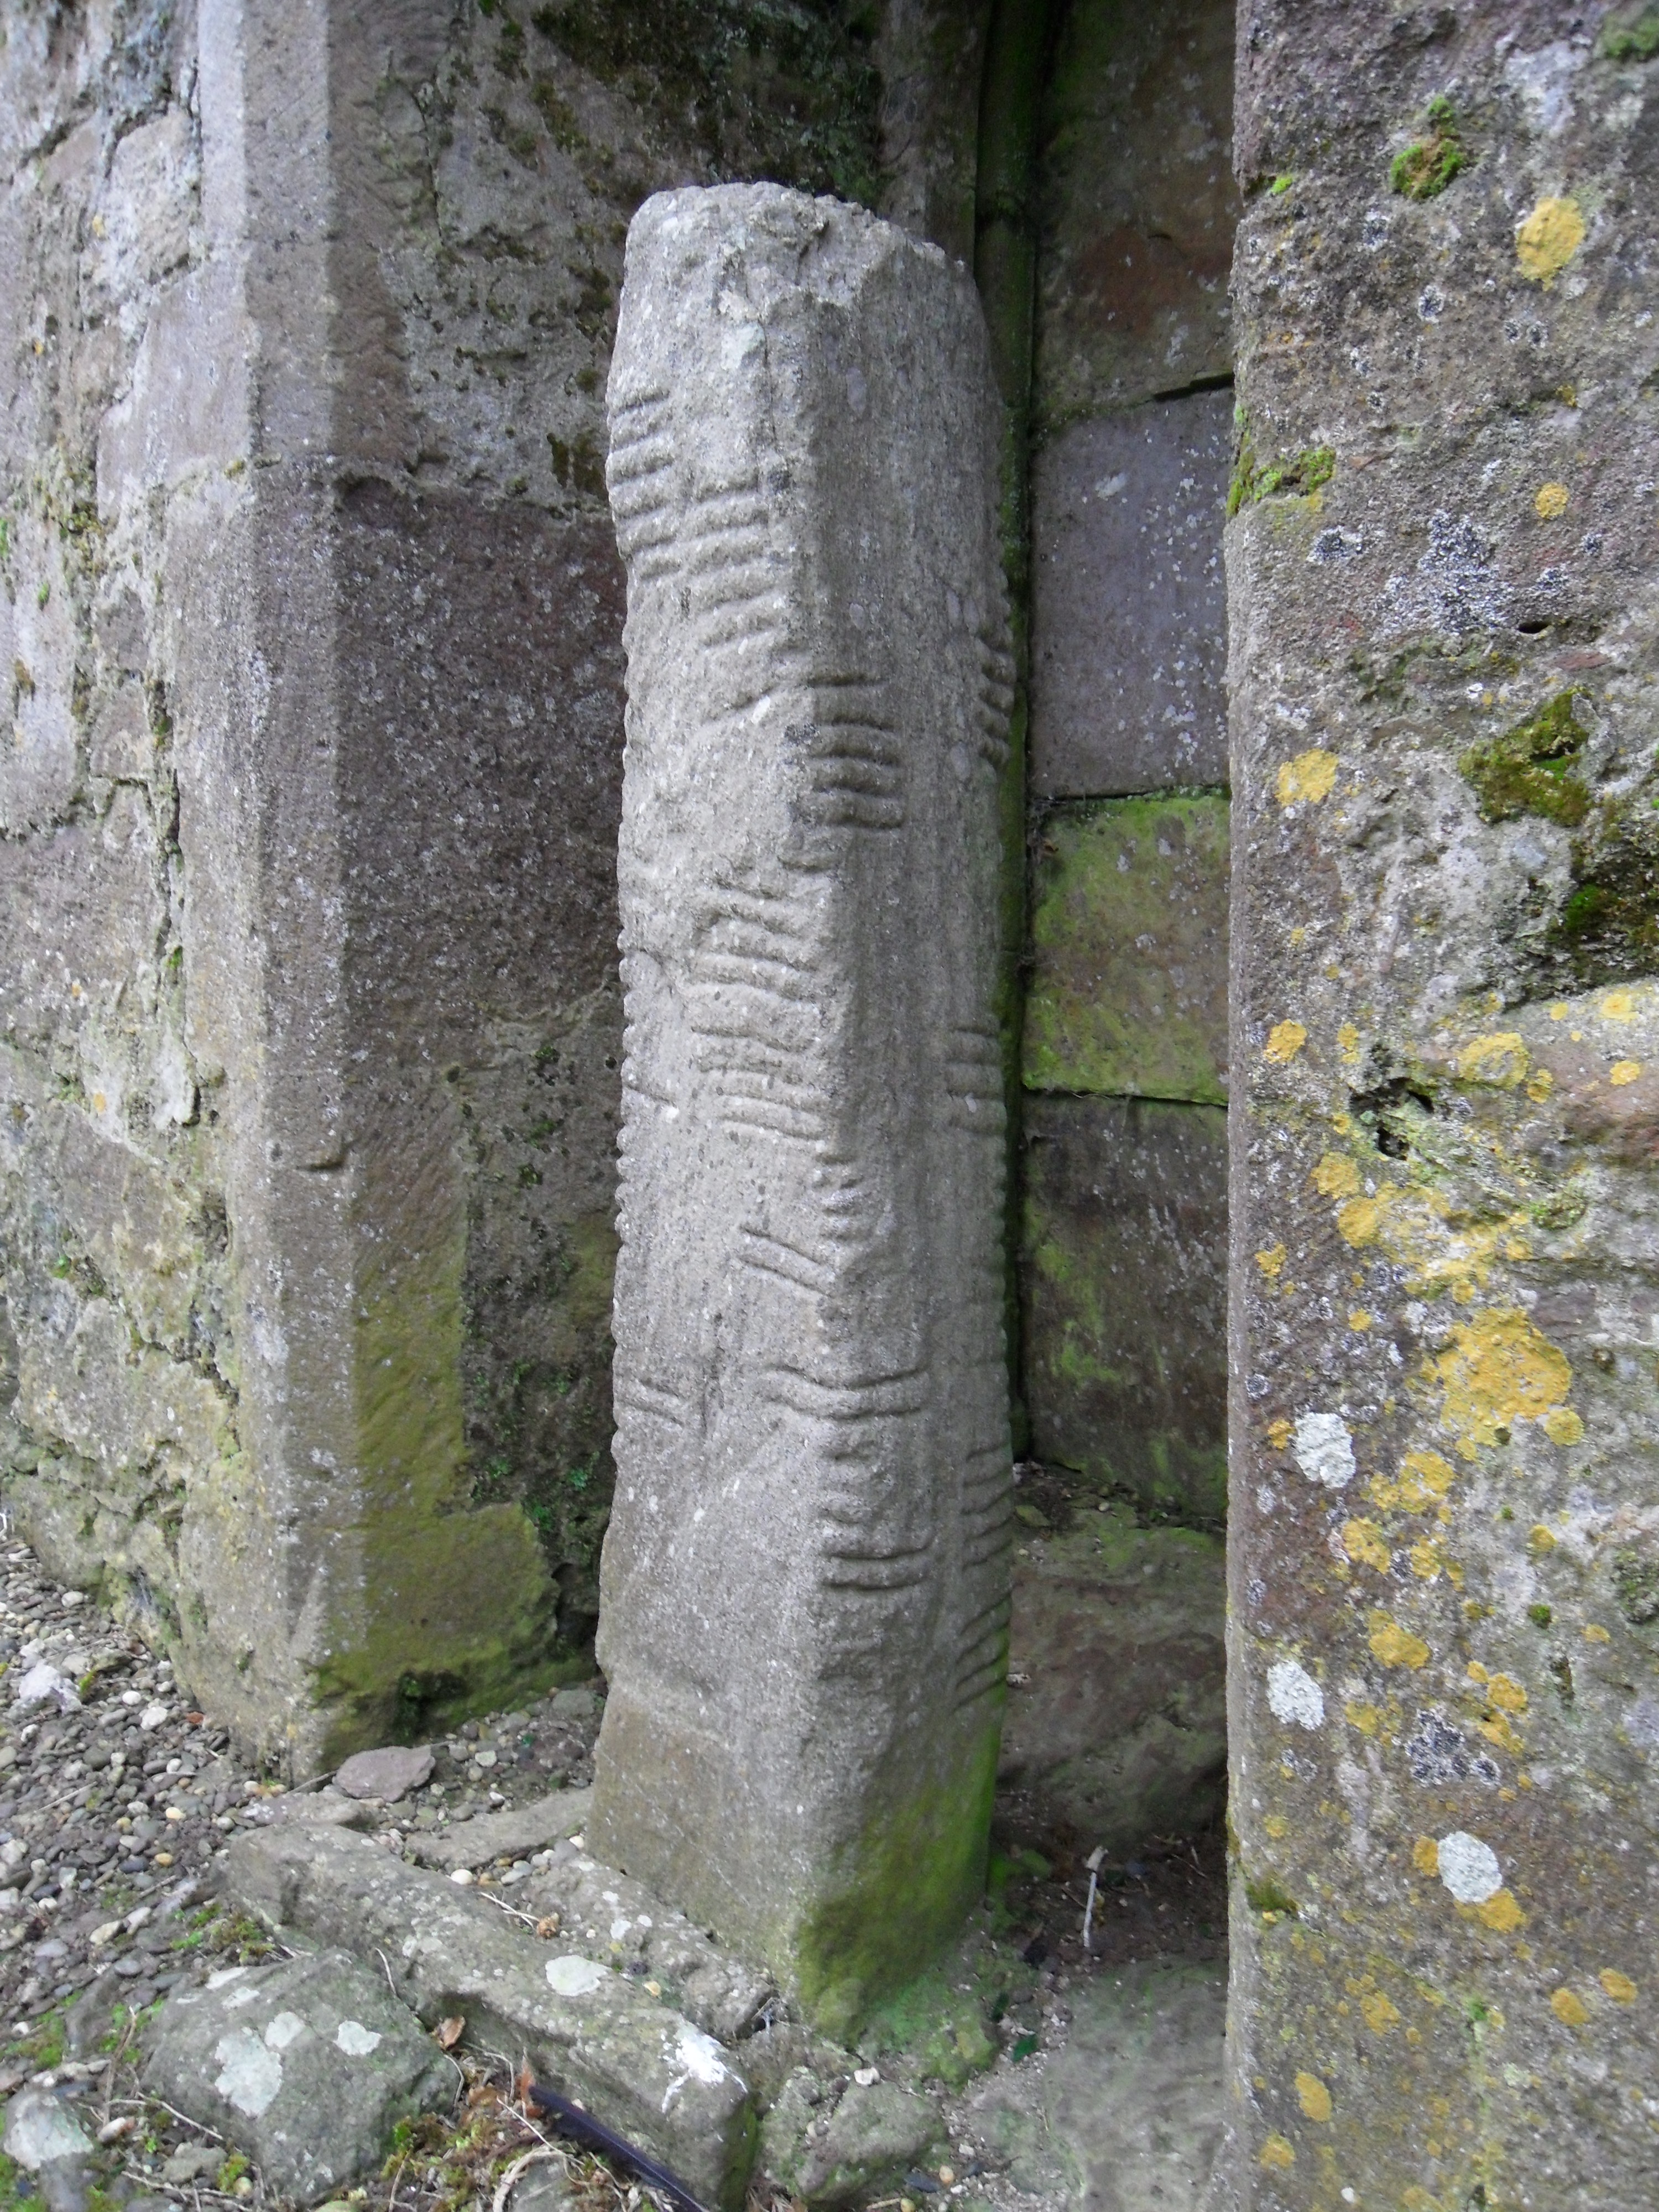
(1128,992)
(1123,1268)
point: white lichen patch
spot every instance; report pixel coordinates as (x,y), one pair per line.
(572,1976)
(1324,1449)
(249,2074)
(1296,1699)
(285,2028)
(1469,1867)
(698,2058)
(355,2039)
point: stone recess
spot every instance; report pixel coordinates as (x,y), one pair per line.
(1124,1279)
(307,2065)
(1128,612)
(1128,992)
(1445,1538)
(1117,1721)
(810,1388)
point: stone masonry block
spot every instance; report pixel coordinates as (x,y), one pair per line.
(1128,989)
(1125,1291)
(594,2035)
(1129,615)
(1117,1718)
(812,1427)
(1139,206)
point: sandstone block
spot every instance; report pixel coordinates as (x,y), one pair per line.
(1123,1271)
(811,1419)
(594,2035)
(1129,988)
(1128,617)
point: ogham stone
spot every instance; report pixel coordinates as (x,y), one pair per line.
(805,1579)
(1444,1529)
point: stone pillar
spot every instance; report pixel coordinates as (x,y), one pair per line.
(1446,1539)
(806,1579)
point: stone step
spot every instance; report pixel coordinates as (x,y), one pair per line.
(514,1834)
(600,2038)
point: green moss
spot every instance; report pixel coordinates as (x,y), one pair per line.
(1531,769)
(941,2028)
(1425,169)
(907,1885)
(1632,37)
(1267,1895)
(1296,477)
(1635,1585)
(1540,1615)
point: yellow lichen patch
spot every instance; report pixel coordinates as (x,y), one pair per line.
(1335,1177)
(1620,1987)
(1311,775)
(1500,1370)
(1429,1561)
(1618,1006)
(1284,1041)
(1271,1262)
(1396,1646)
(1365,1719)
(1551,500)
(1279,1433)
(1501,1059)
(1313,2096)
(1623,1071)
(1540,1540)
(1425,1855)
(1347,1041)
(1559,1011)
(1548,238)
(1358,1320)
(1501,1914)
(1503,1691)
(1539,1083)
(1277,1827)
(1277,2154)
(1379,2015)
(1477,1673)
(1499,1731)
(1593,1633)
(1363,1542)
(1567,2005)
(1563,1426)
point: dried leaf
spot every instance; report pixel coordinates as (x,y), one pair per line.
(548,1927)
(450,2032)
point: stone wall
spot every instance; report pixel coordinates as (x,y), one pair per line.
(1442,569)
(1124,1063)
(312,613)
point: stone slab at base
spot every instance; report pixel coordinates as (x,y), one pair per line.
(594,2035)
(516,1833)
(306,2065)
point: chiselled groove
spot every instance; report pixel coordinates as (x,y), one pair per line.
(772,1120)
(858,1399)
(768,1255)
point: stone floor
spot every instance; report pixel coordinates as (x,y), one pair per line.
(1104,2091)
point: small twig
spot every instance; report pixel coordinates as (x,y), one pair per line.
(501,1906)
(390,1984)
(201,2125)
(548,2156)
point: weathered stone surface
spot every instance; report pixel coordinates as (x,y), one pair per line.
(1128,614)
(1124,1270)
(595,2035)
(1441,1646)
(323,1808)
(1117,1710)
(810,1394)
(827,2145)
(306,2064)
(389,1773)
(1139,206)
(513,1834)
(41,2130)
(605,1915)
(1128,2116)
(1128,988)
